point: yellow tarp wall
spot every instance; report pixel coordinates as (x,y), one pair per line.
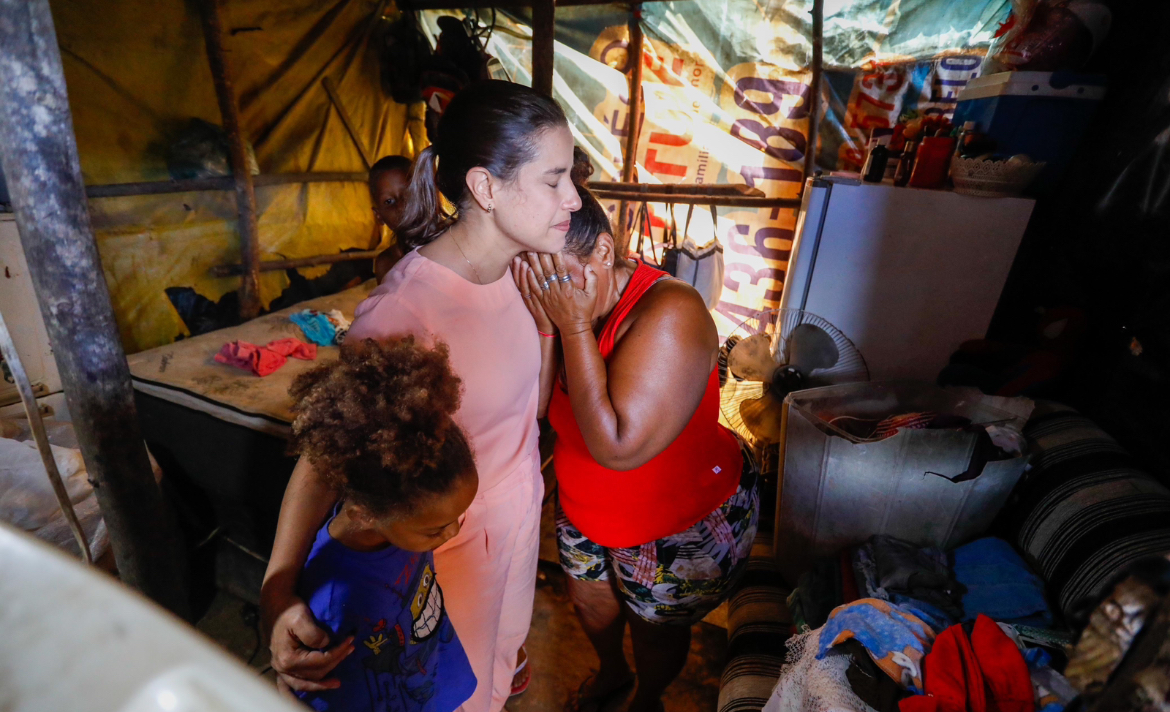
(137,72)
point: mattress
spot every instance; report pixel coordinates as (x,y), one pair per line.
(186,373)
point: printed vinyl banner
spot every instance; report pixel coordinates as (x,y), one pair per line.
(726,101)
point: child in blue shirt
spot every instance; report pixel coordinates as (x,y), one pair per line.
(377,424)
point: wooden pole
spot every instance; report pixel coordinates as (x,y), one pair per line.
(198,185)
(39,155)
(331,90)
(633,123)
(543,33)
(273,265)
(245,191)
(814,89)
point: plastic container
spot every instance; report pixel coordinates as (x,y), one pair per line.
(1041,114)
(932,162)
(837,490)
(993,179)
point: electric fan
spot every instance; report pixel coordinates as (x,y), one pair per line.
(774,353)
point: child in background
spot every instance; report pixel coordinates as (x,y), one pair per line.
(388,180)
(377,424)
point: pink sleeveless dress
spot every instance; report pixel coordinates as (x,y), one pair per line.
(488,571)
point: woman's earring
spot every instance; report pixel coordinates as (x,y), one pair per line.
(489,207)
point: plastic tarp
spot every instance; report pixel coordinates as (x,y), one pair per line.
(137,72)
(726,87)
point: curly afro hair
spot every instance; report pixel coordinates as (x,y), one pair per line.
(377,425)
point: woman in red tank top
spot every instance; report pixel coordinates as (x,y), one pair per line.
(657,511)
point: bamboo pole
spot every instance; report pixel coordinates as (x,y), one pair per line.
(39,156)
(543,34)
(245,190)
(630,155)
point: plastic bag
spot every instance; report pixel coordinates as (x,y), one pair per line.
(201,151)
(26,496)
(1049,36)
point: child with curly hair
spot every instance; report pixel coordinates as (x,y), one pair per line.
(377,424)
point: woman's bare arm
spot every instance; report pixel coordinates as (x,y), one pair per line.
(630,411)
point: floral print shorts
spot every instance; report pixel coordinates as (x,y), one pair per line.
(682,577)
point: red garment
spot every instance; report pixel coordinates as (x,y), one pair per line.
(294,348)
(259,360)
(1009,684)
(986,673)
(684,483)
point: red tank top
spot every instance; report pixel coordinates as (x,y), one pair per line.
(677,488)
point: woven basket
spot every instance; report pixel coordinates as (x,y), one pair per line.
(993,179)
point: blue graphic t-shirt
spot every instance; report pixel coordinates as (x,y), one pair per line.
(406,655)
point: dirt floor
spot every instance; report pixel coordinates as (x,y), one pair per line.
(560,653)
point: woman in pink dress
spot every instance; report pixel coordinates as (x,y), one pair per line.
(502,156)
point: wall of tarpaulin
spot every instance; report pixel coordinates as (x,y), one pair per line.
(137,72)
(726,101)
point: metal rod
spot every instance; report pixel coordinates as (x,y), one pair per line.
(331,90)
(242,175)
(195,185)
(543,34)
(29,401)
(814,89)
(630,154)
(39,156)
(721,201)
(636,189)
(274,265)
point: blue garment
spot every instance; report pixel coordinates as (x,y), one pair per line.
(999,584)
(932,616)
(316,326)
(406,656)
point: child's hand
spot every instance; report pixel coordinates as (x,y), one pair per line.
(527,282)
(301,656)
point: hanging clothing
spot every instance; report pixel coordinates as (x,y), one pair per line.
(488,571)
(667,495)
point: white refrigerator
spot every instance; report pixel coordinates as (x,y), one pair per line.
(906,274)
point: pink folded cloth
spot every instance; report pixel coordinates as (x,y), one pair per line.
(294,348)
(264,360)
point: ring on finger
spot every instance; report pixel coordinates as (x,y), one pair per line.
(564,278)
(544,284)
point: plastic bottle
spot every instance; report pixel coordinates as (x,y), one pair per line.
(875,164)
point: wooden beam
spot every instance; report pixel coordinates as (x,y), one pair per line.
(38,151)
(331,89)
(814,89)
(543,32)
(633,123)
(295,263)
(719,201)
(736,189)
(245,190)
(195,185)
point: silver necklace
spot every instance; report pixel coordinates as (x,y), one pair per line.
(479,280)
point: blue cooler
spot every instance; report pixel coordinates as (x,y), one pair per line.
(1041,114)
